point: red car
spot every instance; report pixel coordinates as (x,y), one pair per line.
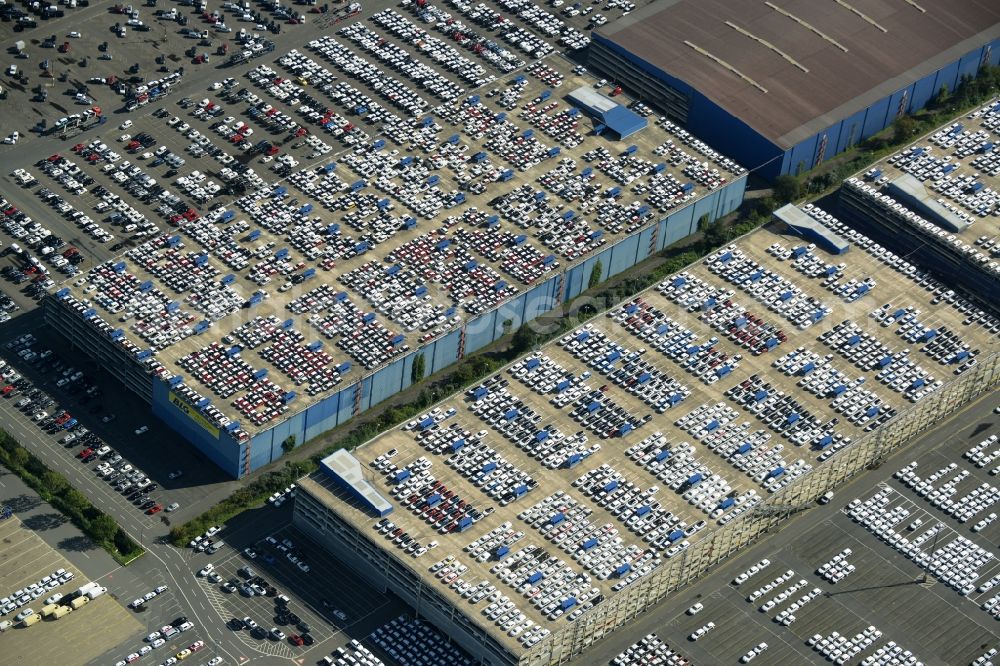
(86,452)
(295,639)
(156,508)
(7,389)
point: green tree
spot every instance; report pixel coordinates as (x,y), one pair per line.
(904,128)
(55,482)
(596,273)
(523,340)
(289,444)
(941,97)
(103,528)
(418,368)
(786,189)
(19,457)
(75,499)
(715,234)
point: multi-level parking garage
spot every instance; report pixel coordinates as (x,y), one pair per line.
(938,201)
(425,222)
(556,500)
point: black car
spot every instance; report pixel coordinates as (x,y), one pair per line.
(136,494)
(302,627)
(91,458)
(236,624)
(147,504)
(179,621)
(308,639)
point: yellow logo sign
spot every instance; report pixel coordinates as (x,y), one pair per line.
(193,414)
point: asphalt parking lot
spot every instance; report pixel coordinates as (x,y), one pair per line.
(25,558)
(158,452)
(314,596)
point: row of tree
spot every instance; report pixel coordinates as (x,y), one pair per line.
(53,488)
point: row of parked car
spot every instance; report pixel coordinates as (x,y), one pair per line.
(598,548)
(24,596)
(517,422)
(632,370)
(974,315)
(650,649)
(130,481)
(945,496)
(415,642)
(956,560)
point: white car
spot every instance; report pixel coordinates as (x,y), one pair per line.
(752,654)
(697,608)
(125,125)
(75,34)
(701,631)
(53,599)
(207,569)
(141,430)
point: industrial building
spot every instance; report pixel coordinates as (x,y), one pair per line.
(938,201)
(150,327)
(492,496)
(783,86)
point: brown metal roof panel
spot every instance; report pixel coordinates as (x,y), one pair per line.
(916,43)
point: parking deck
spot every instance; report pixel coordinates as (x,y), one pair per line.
(689,404)
(958,165)
(351,260)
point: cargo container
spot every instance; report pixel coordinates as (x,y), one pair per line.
(86,588)
(48,609)
(31,619)
(79,601)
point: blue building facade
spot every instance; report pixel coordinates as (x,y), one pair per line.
(733,137)
(239,458)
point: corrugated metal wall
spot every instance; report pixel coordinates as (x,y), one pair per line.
(875,118)
(221,450)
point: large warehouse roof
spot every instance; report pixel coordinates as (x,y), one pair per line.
(790,68)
